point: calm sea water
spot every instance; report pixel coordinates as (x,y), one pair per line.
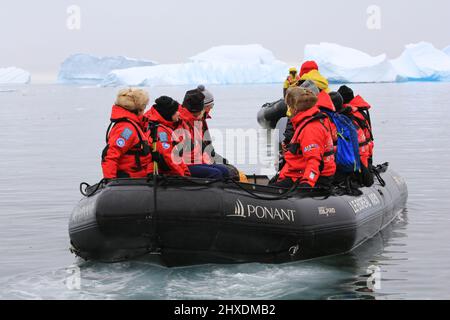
(51,139)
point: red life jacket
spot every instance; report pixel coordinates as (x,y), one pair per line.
(127,153)
(193,139)
(324,102)
(310,153)
(361,115)
(170,161)
(292,80)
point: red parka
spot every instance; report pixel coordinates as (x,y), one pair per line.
(358,105)
(310,153)
(193,139)
(171,162)
(127,153)
(325,103)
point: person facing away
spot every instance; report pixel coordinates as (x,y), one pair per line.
(199,161)
(291,80)
(309,156)
(365,177)
(127,152)
(360,112)
(163,121)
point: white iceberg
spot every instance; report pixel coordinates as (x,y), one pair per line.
(447,50)
(244,54)
(13,75)
(422,61)
(343,64)
(247,64)
(88,69)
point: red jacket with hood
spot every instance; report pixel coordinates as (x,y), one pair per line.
(358,104)
(126,154)
(193,137)
(313,155)
(167,139)
(324,102)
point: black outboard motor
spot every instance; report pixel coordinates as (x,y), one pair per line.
(271,113)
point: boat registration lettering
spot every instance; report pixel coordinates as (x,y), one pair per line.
(82,213)
(324,211)
(364,202)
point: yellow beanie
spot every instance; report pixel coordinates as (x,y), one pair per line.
(132,99)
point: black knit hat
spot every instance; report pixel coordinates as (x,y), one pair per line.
(194,100)
(337,100)
(166,107)
(346,93)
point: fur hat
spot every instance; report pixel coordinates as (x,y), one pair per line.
(209,98)
(134,100)
(194,101)
(300,98)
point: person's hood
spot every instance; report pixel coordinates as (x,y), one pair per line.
(119,113)
(154,116)
(300,117)
(187,116)
(359,102)
(324,101)
(308,66)
(320,81)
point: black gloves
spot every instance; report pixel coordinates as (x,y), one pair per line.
(366,176)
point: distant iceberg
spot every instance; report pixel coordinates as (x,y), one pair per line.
(422,61)
(254,64)
(13,75)
(247,64)
(342,64)
(88,69)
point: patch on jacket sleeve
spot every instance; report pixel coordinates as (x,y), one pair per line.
(310,147)
(126,134)
(163,137)
(120,142)
(165,145)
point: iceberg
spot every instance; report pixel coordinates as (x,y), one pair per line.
(13,75)
(422,61)
(247,64)
(447,50)
(342,64)
(88,69)
(245,54)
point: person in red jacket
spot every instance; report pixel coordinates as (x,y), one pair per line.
(310,155)
(199,161)
(325,104)
(360,112)
(164,119)
(365,177)
(127,153)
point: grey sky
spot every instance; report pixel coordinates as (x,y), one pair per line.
(35,37)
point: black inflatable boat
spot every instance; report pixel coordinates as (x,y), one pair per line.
(271,113)
(194,221)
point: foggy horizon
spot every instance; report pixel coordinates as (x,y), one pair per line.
(37,39)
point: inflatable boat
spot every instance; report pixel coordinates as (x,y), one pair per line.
(271,113)
(186,221)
